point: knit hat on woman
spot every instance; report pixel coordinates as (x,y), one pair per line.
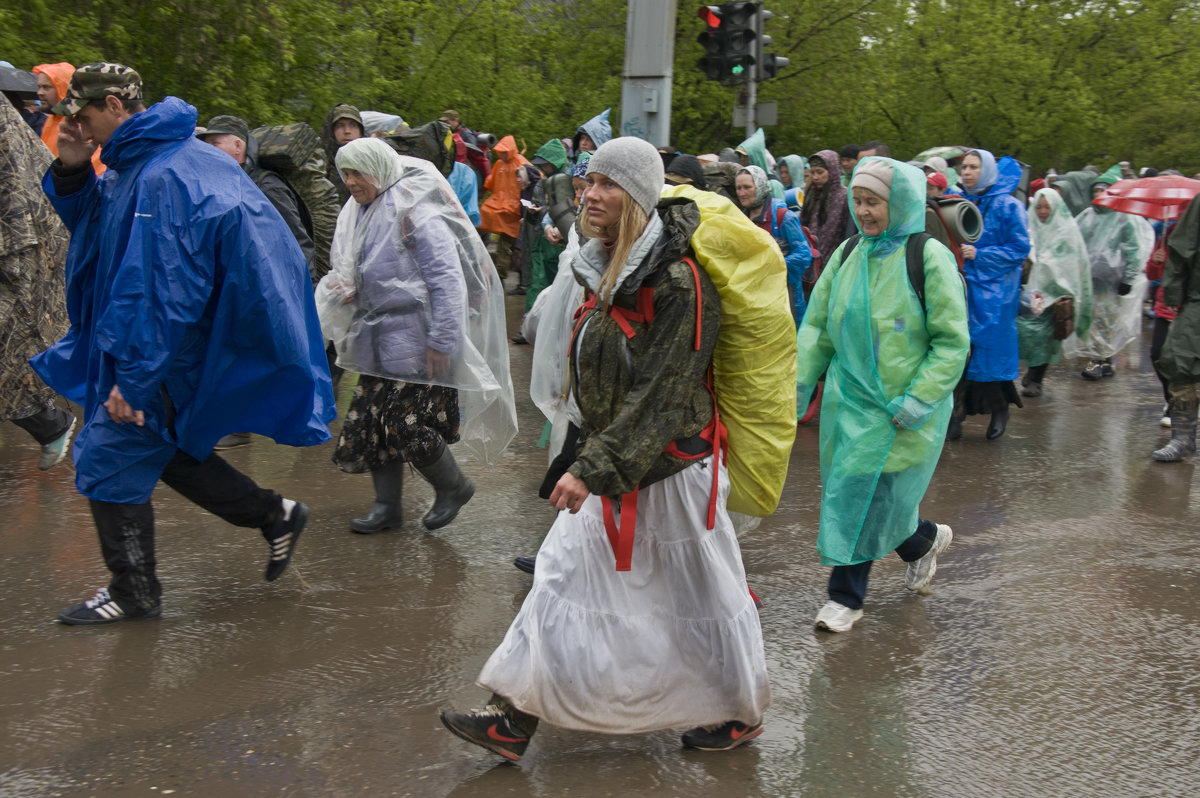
(633,164)
(875,175)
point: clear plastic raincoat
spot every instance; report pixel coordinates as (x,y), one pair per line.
(892,368)
(1118,245)
(410,274)
(1060,269)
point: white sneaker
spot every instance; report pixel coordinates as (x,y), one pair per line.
(835,617)
(1166,417)
(920,572)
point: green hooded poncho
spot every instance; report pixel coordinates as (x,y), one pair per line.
(892,368)
(755,149)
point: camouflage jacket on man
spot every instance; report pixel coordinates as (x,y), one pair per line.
(33,247)
(638,394)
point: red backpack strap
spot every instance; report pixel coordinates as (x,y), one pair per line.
(699,301)
(780,215)
(621,537)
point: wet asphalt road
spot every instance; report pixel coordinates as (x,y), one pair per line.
(1059,655)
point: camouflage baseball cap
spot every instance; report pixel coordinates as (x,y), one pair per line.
(227,124)
(97,81)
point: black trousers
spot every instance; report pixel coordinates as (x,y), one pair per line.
(46,425)
(848,583)
(1161,327)
(127,530)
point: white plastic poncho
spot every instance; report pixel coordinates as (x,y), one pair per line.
(549,325)
(1118,246)
(410,279)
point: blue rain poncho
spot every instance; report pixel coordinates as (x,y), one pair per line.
(410,274)
(1118,244)
(886,359)
(1060,269)
(181,277)
(598,130)
(994,275)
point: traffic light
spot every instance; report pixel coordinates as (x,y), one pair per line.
(770,64)
(728,42)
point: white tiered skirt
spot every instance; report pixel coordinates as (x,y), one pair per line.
(673,643)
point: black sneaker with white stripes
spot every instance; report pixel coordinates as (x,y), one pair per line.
(101,608)
(283,536)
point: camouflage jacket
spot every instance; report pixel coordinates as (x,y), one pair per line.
(638,394)
(33,247)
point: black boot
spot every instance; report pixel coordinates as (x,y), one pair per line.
(453,489)
(999,422)
(385,512)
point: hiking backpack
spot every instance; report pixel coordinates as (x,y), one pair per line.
(294,153)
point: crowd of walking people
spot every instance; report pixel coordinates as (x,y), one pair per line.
(172,288)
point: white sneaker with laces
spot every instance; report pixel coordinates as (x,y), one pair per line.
(835,617)
(920,572)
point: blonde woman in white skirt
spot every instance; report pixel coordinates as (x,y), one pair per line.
(639,618)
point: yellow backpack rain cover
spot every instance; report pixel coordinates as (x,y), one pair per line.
(754,363)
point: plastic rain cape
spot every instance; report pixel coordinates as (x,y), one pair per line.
(409,272)
(1118,244)
(1060,269)
(886,359)
(755,357)
(549,325)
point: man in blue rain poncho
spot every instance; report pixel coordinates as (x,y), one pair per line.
(993,274)
(191,317)
(892,363)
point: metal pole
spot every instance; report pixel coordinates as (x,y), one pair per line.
(649,66)
(753,73)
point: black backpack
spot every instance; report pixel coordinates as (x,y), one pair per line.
(433,141)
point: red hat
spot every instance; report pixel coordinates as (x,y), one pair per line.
(1037,185)
(937,179)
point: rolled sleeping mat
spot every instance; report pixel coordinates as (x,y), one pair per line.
(961,218)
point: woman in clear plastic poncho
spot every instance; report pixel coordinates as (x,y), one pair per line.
(413,305)
(1118,244)
(1060,270)
(892,367)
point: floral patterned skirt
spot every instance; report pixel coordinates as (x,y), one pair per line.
(389,420)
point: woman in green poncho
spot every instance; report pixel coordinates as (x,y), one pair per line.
(892,367)
(1060,270)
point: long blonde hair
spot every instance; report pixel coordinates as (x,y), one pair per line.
(624,234)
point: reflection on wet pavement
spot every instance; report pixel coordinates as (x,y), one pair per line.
(1059,654)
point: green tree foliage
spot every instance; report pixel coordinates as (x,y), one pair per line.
(1053,82)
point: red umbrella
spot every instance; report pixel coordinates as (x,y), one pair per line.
(1161,197)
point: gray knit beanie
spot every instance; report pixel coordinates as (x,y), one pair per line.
(875,175)
(634,165)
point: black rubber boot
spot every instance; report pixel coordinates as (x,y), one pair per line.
(385,512)
(453,489)
(998,423)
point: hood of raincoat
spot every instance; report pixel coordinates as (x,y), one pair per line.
(728,155)
(1110,177)
(755,148)
(995,177)
(796,165)
(832,163)
(144,134)
(554,152)
(597,128)
(172,206)
(409,273)
(59,74)
(906,205)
